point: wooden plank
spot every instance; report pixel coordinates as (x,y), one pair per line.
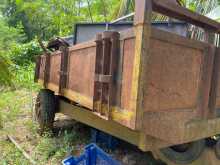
(181,13)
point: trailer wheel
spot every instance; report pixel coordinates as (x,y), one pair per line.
(45,109)
(185,153)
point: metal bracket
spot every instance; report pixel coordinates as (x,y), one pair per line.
(63,68)
(105,72)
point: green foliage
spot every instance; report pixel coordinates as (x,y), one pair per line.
(24,77)
(11,155)
(1,120)
(8,36)
(5,78)
(24,54)
(56,17)
(55,149)
(13,106)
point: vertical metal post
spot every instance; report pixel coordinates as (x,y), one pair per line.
(207,104)
(46,70)
(63,68)
(105,71)
(215,84)
(97,84)
(142,26)
(107,53)
(37,68)
(115,52)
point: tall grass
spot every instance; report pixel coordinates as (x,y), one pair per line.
(24,77)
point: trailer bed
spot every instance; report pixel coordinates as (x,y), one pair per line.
(150,87)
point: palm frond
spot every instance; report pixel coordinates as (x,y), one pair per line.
(204,7)
(124,6)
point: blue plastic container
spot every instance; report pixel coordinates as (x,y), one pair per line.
(92,155)
(108,141)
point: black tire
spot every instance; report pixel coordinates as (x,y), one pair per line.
(191,153)
(210,142)
(45,109)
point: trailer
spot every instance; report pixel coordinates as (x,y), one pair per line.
(156,89)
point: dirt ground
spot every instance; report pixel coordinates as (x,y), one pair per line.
(69,137)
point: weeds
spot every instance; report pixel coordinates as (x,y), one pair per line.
(15,111)
(24,77)
(55,149)
(10,156)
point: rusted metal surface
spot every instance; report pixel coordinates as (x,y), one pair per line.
(98,66)
(216,80)
(54,71)
(42,66)
(214,92)
(148,80)
(37,69)
(128,51)
(174,77)
(46,69)
(106,73)
(205,86)
(181,13)
(114,62)
(105,70)
(63,68)
(81,70)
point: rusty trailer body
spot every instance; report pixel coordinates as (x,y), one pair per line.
(144,85)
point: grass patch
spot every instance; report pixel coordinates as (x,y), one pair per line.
(16,106)
(16,117)
(10,155)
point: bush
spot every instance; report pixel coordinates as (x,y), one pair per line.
(1,120)
(24,77)
(24,54)
(5,75)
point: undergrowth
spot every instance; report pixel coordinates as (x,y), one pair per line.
(16,120)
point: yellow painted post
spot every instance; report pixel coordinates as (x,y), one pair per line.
(142,26)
